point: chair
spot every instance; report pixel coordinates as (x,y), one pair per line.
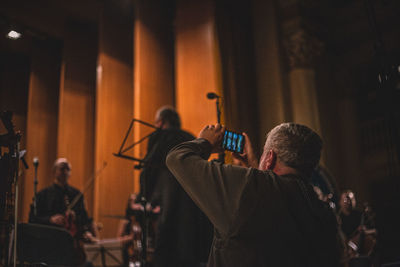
(46,245)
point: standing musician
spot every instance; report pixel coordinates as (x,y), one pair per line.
(357,226)
(53,206)
(183,234)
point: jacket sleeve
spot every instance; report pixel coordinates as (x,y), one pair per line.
(215,187)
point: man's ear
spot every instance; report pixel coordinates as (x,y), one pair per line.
(268,160)
(271,160)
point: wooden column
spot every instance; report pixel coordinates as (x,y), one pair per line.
(154,66)
(41,133)
(273,94)
(197,63)
(304,98)
(76,108)
(114,111)
(303,49)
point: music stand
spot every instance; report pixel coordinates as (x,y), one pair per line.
(123,149)
(141,164)
(108,250)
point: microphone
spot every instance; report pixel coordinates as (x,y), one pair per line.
(36,162)
(212,95)
(22,158)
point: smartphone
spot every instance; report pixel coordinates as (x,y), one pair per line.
(233,141)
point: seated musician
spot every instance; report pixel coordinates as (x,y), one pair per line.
(53,205)
(356,224)
(352,218)
(130,229)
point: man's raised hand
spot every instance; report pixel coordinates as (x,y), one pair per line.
(213,134)
(247,158)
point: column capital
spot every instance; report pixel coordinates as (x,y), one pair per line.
(302,48)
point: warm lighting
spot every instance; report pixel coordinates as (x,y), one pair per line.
(13,35)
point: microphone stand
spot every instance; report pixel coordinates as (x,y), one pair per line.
(145,232)
(221,155)
(35,183)
(143,200)
(218,111)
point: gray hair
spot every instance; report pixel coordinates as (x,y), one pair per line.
(295,145)
(169,115)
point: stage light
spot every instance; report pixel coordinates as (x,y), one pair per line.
(14,35)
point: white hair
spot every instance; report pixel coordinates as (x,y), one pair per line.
(295,145)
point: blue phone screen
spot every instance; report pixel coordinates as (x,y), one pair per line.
(233,141)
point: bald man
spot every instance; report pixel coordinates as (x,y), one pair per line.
(52,202)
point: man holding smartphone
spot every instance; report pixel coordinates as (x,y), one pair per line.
(265,216)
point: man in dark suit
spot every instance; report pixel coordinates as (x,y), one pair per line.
(183,233)
(63,206)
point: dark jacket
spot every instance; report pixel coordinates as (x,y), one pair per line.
(261,219)
(52,200)
(183,232)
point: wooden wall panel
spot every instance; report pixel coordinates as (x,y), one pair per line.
(197,63)
(76,108)
(41,133)
(153,67)
(274,105)
(114,111)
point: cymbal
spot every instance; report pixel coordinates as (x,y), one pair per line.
(114,216)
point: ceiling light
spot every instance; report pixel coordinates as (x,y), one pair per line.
(13,35)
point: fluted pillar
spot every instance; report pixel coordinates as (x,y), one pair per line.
(302,49)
